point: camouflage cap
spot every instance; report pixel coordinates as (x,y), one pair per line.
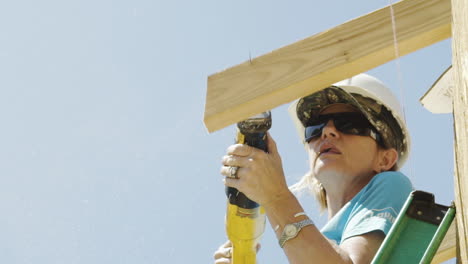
(309,107)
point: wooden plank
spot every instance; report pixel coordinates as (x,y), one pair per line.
(448,248)
(318,61)
(460,117)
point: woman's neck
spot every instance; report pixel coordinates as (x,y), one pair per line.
(339,194)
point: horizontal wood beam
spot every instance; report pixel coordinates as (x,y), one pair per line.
(314,63)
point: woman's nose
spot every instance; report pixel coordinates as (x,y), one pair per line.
(329,130)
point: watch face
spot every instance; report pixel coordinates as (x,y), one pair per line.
(290,230)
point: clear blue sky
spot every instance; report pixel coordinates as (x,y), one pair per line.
(104,155)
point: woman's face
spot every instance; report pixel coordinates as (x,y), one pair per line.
(343,155)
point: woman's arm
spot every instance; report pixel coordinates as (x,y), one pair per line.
(310,246)
(261,178)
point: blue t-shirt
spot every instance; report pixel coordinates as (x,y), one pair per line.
(375,207)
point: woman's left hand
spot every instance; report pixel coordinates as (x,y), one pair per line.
(260,175)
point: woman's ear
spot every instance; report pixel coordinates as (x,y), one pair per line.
(387,159)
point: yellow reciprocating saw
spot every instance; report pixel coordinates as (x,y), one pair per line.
(245,219)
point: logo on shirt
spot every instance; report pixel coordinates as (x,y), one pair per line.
(387,213)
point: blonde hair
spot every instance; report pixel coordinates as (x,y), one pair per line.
(310,183)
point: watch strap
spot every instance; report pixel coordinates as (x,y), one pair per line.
(299,225)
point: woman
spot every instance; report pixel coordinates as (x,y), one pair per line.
(356,140)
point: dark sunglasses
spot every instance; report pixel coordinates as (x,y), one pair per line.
(352,123)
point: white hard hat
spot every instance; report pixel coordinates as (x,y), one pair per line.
(371,97)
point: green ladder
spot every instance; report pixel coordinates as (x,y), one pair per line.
(417,232)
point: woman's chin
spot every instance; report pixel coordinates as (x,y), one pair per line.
(324,170)
(326,164)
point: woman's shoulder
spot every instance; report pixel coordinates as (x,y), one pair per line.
(391,178)
(377,206)
(386,189)
(388,184)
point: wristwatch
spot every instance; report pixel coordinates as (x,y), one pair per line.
(290,231)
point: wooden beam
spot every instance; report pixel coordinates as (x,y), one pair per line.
(448,248)
(460,117)
(311,64)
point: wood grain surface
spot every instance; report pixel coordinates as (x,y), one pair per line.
(460,117)
(311,64)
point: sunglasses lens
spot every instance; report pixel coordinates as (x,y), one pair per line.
(349,123)
(352,123)
(314,131)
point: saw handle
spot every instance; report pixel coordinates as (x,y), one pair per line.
(257,140)
(245,219)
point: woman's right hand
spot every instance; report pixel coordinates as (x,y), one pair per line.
(223,254)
